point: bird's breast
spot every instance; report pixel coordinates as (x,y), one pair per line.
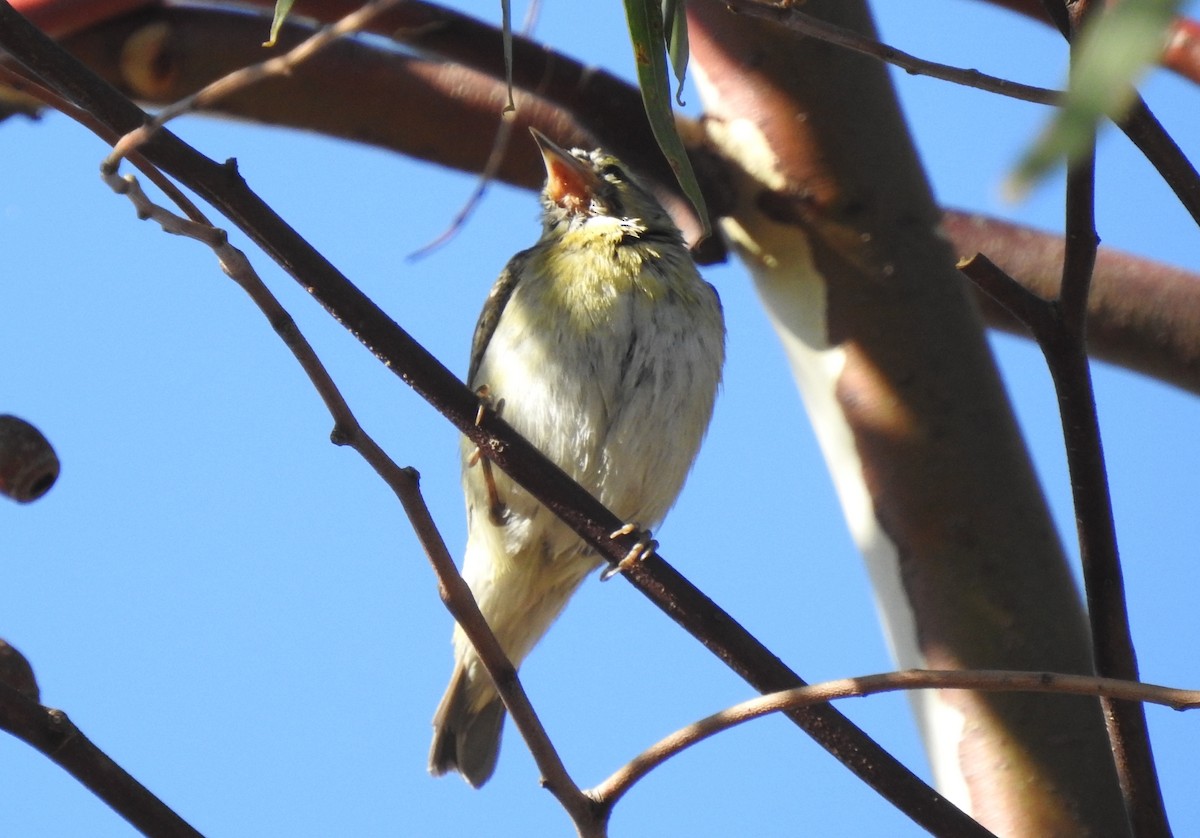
(594,354)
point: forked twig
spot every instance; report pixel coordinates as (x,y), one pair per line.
(1066,358)
(13,78)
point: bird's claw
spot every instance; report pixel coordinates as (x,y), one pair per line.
(641,550)
(497,508)
(484,394)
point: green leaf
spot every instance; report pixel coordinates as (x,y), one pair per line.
(675,25)
(282,8)
(506,28)
(1115,50)
(649,50)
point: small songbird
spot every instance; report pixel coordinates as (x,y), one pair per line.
(602,346)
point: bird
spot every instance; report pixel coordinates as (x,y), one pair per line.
(603,346)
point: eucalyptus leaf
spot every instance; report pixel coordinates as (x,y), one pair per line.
(1115,50)
(506,28)
(649,49)
(282,9)
(675,27)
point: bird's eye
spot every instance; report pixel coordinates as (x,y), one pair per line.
(612,170)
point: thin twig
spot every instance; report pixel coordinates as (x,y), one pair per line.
(589,818)
(786,14)
(1139,124)
(243,78)
(52,733)
(613,788)
(495,156)
(1108,612)
(1144,130)
(13,78)
(1066,357)
(1017,300)
(1062,344)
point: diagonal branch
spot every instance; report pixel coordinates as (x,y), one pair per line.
(1144,130)
(248,76)
(786,14)
(1182,52)
(55,735)
(1142,314)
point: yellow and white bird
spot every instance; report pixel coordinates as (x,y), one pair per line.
(602,346)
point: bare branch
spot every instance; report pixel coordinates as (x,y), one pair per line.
(590,818)
(1145,131)
(1059,332)
(230,84)
(1182,53)
(1142,314)
(53,734)
(786,14)
(1065,349)
(1017,300)
(48,97)
(621,781)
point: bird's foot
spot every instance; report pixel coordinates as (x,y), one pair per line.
(497,508)
(641,550)
(486,403)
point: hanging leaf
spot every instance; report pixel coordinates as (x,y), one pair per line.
(282,8)
(506,28)
(1115,51)
(649,49)
(675,26)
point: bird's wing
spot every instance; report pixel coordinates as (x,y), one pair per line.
(492,309)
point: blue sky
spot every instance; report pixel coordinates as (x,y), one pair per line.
(236,611)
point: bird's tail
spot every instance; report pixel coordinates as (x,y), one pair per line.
(466,739)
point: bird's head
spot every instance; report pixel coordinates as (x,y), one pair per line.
(586,187)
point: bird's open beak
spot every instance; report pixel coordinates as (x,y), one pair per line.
(570,182)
